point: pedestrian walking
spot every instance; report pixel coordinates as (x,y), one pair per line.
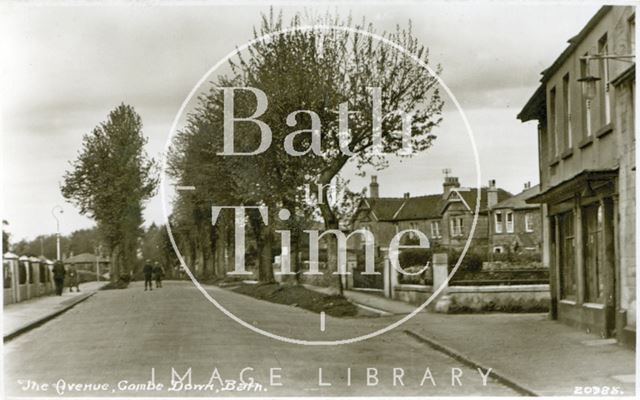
(58,276)
(158,273)
(73,278)
(148,272)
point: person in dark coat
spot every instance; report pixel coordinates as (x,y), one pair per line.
(158,273)
(58,276)
(73,278)
(148,273)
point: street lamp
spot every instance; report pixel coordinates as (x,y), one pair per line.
(589,86)
(53,212)
(589,81)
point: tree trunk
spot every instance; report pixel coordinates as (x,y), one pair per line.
(115,264)
(266,267)
(331,222)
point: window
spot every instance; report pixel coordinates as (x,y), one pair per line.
(567,265)
(566,120)
(414,226)
(605,105)
(435,229)
(586,103)
(509,218)
(498,220)
(553,123)
(528,222)
(8,274)
(593,248)
(498,249)
(457,225)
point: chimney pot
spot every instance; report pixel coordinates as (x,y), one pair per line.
(407,195)
(492,194)
(450,182)
(374,187)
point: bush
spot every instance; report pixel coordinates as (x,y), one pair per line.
(415,257)
(472,261)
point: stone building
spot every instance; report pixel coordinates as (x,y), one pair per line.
(515,225)
(585,112)
(445,218)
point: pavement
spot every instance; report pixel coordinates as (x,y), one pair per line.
(20,317)
(538,355)
(128,342)
(130,335)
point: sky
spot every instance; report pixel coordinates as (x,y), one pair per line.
(65,67)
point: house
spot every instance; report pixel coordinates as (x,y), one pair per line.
(445,218)
(515,225)
(586,145)
(88,262)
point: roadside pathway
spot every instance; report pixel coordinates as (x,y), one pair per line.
(18,317)
(544,356)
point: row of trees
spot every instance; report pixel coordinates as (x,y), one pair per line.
(80,241)
(314,70)
(320,72)
(109,182)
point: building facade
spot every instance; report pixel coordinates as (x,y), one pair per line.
(585,112)
(515,226)
(445,218)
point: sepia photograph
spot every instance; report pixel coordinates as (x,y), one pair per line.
(318,199)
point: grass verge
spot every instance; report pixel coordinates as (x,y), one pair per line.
(299,296)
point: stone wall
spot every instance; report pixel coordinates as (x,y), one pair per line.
(517,298)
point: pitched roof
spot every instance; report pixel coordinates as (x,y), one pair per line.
(383,208)
(421,207)
(84,258)
(470,197)
(519,201)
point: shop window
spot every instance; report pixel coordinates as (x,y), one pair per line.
(567,256)
(593,253)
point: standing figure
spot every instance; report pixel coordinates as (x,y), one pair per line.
(158,271)
(58,276)
(74,279)
(148,272)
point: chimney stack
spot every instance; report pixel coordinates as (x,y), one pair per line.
(407,195)
(450,182)
(492,194)
(373,187)
(527,185)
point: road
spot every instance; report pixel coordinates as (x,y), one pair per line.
(118,341)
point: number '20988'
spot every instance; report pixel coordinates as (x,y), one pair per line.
(597,390)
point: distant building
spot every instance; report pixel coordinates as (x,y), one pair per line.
(516,226)
(445,218)
(586,145)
